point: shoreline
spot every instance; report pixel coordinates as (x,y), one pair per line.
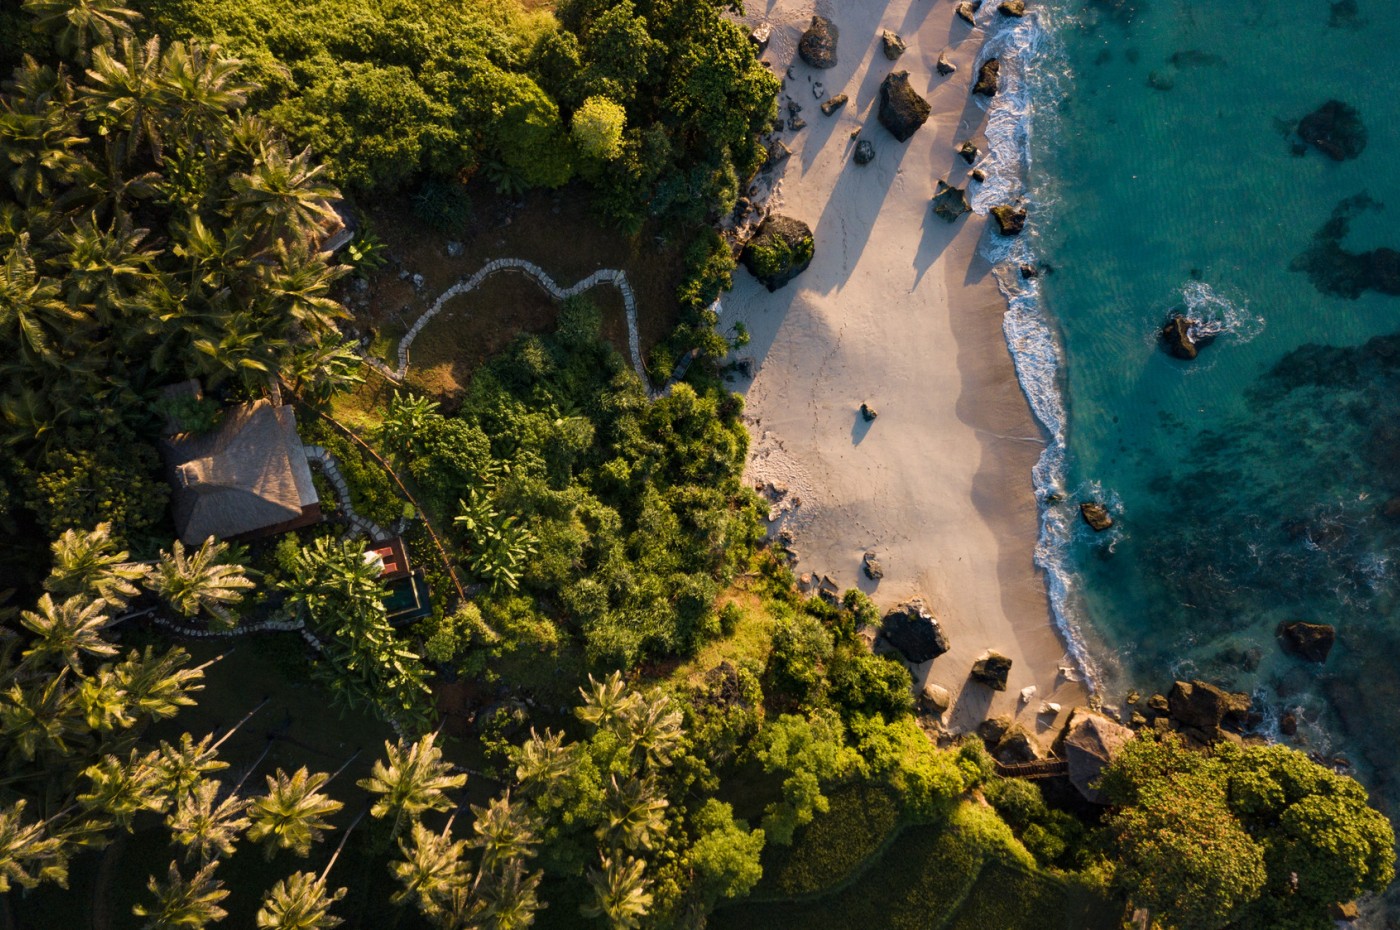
(900,310)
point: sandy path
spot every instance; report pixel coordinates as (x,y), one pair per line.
(898,310)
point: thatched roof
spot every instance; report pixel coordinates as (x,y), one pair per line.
(1091,742)
(249,474)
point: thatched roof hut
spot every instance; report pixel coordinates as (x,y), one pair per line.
(1091,742)
(248,477)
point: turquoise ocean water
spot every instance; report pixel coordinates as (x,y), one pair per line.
(1152,140)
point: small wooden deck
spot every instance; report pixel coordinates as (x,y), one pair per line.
(1042,768)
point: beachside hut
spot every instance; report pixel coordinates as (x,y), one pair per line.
(246,478)
(1091,743)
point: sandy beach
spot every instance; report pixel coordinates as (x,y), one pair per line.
(898,310)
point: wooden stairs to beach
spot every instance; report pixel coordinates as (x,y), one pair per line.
(1041,768)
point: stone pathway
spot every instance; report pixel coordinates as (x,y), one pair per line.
(318,456)
(606,276)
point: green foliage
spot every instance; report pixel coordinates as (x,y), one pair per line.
(597,129)
(725,854)
(859,819)
(444,205)
(112,482)
(927,780)
(809,753)
(864,683)
(771,255)
(801,649)
(1256,837)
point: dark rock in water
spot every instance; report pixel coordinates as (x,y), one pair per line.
(902,110)
(1311,642)
(833,104)
(893,45)
(1183,338)
(1344,14)
(945,66)
(1029,272)
(1010,220)
(818,44)
(1336,271)
(968,151)
(914,632)
(978,175)
(1158,705)
(780,251)
(1096,515)
(1204,707)
(992,670)
(1390,510)
(1192,58)
(1160,80)
(967,11)
(868,413)
(1335,128)
(871,566)
(987,78)
(760,36)
(865,152)
(1013,8)
(1288,725)
(950,202)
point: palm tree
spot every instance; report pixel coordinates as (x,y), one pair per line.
(90,564)
(405,421)
(41,142)
(432,867)
(541,760)
(292,815)
(503,832)
(126,97)
(510,899)
(412,781)
(299,902)
(27,855)
(122,789)
(204,83)
(332,573)
(40,718)
(184,903)
(635,812)
(154,684)
(653,729)
(284,195)
(320,371)
(299,280)
(103,268)
(66,632)
(34,321)
(605,702)
(195,582)
(180,769)
(77,25)
(620,892)
(207,827)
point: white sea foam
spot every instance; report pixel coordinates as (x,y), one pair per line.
(1029,75)
(1217,315)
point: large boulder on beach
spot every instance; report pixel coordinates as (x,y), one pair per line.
(914,632)
(992,670)
(818,44)
(950,202)
(1184,337)
(1311,642)
(967,11)
(780,251)
(892,44)
(902,110)
(865,152)
(1091,742)
(944,65)
(1015,746)
(1335,128)
(1010,219)
(935,699)
(987,78)
(1096,515)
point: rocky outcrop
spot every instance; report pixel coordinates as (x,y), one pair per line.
(902,110)
(950,202)
(987,76)
(1096,515)
(778,152)
(892,44)
(944,66)
(967,11)
(1091,742)
(868,413)
(1205,708)
(865,152)
(760,37)
(968,151)
(1013,8)
(1184,337)
(872,567)
(1010,220)
(1335,129)
(833,104)
(1311,642)
(818,44)
(1015,746)
(992,670)
(914,632)
(781,250)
